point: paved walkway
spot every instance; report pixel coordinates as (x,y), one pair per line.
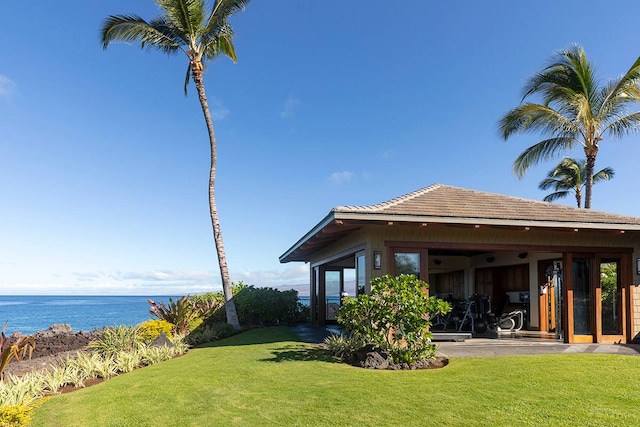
(494,346)
(505,347)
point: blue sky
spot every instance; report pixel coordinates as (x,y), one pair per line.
(104,162)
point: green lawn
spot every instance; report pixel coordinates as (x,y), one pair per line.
(266,377)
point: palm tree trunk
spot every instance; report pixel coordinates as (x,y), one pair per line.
(588,185)
(229,305)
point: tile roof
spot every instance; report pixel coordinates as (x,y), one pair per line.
(447,205)
(445,201)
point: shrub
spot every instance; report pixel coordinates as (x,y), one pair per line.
(210,332)
(113,340)
(208,303)
(127,361)
(21,390)
(94,365)
(344,344)
(151,329)
(182,313)
(15,415)
(266,306)
(395,317)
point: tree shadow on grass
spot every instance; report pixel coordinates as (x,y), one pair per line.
(266,335)
(301,353)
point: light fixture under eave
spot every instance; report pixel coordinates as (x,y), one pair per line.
(389,222)
(339,222)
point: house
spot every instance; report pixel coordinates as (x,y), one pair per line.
(545,257)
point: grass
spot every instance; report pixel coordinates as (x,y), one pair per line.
(266,377)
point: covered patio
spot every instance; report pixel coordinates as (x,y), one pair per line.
(546,259)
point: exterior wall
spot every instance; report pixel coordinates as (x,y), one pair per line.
(374,238)
(635,309)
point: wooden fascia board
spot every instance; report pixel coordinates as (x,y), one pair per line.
(425,219)
(310,235)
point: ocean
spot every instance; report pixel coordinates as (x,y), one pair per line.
(29,314)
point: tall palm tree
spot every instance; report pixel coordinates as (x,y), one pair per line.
(569,175)
(575,109)
(187,26)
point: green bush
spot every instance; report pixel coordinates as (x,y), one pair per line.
(151,329)
(266,306)
(395,317)
(262,307)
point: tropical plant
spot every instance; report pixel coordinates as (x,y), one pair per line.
(575,109)
(569,176)
(208,303)
(17,349)
(113,340)
(22,390)
(344,344)
(181,313)
(395,317)
(127,361)
(187,26)
(94,365)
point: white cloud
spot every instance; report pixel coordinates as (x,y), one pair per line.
(289,277)
(7,87)
(344,177)
(150,282)
(218,110)
(291,105)
(158,282)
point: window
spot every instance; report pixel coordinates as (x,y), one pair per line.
(407,263)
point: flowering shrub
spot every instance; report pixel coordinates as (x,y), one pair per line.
(151,329)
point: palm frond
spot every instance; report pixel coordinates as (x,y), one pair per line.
(132,28)
(624,125)
(187,78)
(221,11)
(555,196)
(625,87)
(543,150)
(604,174)
(532,117)
(186,15)
(221,44)
(568,75)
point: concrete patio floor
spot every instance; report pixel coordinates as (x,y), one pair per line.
(499,346)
